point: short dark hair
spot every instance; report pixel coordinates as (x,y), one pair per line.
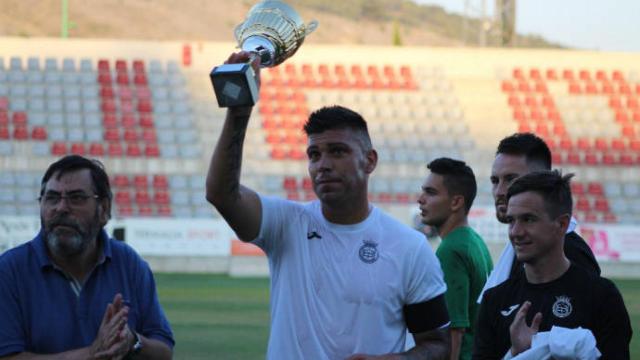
(71,163)
(337,117)
(554,188)
(458,178)
(532,147)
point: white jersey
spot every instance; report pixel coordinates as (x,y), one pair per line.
(337,290)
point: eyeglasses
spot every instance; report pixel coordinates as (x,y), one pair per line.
(75,200)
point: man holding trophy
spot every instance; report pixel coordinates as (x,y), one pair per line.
(347,280)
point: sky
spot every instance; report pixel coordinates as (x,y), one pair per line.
(608,25)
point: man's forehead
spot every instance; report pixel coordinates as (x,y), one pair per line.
(344,136)
(525,202)
(70,180)
(510,164)
(434,181)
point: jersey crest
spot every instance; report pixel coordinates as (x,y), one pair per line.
(368,251)
(562,307)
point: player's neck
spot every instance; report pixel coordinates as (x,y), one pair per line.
(453,222)
(347,214)
(546,269)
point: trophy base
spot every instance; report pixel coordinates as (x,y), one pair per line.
(234,85)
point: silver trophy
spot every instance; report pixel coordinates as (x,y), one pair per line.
(272,32)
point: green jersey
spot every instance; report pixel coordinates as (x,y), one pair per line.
(466,264)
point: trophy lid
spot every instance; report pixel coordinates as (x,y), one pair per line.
(275,25)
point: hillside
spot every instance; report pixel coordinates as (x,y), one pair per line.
(371,22)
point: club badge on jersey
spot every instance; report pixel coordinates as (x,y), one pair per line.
(368,251)
(562,307)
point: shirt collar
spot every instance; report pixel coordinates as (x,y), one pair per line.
(40,248)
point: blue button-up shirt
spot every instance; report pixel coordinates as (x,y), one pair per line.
(45,311)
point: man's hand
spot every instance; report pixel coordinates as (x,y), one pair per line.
(112,340)
(520,333)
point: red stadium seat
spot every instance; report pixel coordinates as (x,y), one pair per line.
(161,197)
(114,149)
(574,158)
(551,74)
(567,74)
(103,65)
(128,121)
(145,210)
(111,135)
(584,75)
(4,133)
(121,180)
(4,104)
(106,91)
(582,204)
(138,66)
(609,159)
(164,210)
(140,181)
(518,74)
(144,106)
(58,149)
(577,188)
(595,188)
(131,135)
(19,118)
(601,144)
(609,218)
(160,181)
(591,159)
(123,197)
(151,150)
(142,197)
(534,73)
(39,133)
(121,65)
(20,132)
(146,121)
(507,86)
(290,183)
(78,149)
(601,204)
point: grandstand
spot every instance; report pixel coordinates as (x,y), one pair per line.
(147,110)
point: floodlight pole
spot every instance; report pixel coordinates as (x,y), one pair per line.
(65,19)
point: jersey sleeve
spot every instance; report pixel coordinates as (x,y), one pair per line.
(485,344)
(613,330)
(426,280)
(457,280)
(425,308)
(152,323)
(12,331)
(274,212)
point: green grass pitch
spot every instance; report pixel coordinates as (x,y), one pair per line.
(219,317)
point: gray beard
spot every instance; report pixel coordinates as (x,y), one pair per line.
(74,245)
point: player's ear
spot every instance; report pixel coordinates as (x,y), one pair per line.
(457,203)
(563,222)
(371,157)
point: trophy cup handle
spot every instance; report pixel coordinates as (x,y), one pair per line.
(310,27)
(237,31)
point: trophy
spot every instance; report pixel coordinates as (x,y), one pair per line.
(272,32)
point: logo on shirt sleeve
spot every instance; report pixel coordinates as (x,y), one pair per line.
(313,235)
(562,307)
(508,311)
(368,251)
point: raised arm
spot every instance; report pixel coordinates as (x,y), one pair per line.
(239,205)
